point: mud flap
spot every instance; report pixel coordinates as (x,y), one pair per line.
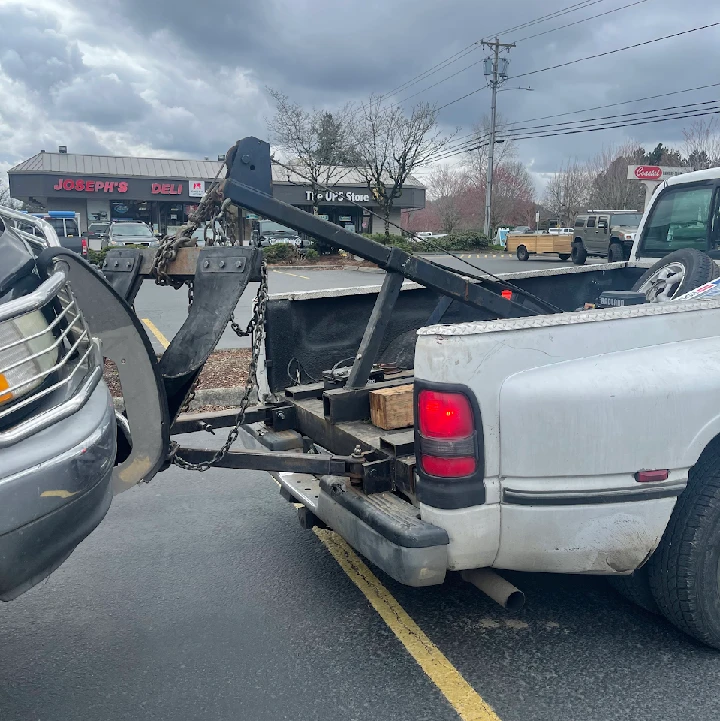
(125,342)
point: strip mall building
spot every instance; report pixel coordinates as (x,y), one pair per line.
(163,192)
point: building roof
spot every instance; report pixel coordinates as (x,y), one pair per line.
(125,166)
(114,165)
(336,176)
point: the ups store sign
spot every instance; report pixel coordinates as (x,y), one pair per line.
(74,186)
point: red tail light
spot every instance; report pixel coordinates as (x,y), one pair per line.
(444,415)
(84,246)
(447,427)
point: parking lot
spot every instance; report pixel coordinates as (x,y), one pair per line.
(200,596)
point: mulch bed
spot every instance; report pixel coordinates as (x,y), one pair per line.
(224,369)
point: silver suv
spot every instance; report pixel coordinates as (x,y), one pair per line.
(605,233)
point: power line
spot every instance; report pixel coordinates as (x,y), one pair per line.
(617,50)
(583,20)
(529,37)
(680,115)
(475,45)
(434,69)
(475,138)
(588,57)
(550,16)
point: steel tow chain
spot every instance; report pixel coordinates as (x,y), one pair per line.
(258,332)
(168,247)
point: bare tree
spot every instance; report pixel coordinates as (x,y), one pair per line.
(568,192)
(318,143)
(610,185)
(392,145)
(513,195)
(477,158)
(5,198)
(702,143)
(447,187)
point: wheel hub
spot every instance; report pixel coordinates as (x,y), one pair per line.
(664,283)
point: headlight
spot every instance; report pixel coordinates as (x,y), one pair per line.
(629,236)
(28,352)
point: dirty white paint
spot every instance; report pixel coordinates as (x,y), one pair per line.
(601,538)
(577,403)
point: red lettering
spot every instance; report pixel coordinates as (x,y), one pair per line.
(68,184)
(179,192)
(156,189)
(90,186)
(166,189)
(122,187)
(59,184)
(108,187)
(80,184)
(99,186)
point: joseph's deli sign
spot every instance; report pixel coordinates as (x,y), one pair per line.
(86,185)
(81,185)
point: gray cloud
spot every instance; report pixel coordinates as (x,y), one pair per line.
(184,78)
(33,49)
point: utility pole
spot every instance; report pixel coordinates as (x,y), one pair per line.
(496,69)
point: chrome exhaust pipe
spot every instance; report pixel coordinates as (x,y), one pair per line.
(500,590)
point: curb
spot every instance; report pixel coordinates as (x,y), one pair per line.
(205,397)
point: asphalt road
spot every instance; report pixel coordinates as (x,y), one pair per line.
(167,308)
(200,597)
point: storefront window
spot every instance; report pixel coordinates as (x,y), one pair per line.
(138,210)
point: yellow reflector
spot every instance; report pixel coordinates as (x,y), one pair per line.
(4,385)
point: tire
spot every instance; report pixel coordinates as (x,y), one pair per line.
(676,274)
(578,254)
(522,253)
(684,569)
(636,589)
(563,256)
(616,253)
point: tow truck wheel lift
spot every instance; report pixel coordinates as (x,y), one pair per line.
(294,426)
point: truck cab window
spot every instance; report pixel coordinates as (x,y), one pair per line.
(590,222)
(679,219)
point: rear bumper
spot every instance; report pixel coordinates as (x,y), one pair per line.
(54,490)
(383,528)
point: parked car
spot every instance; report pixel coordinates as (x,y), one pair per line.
(57,421)
(561,231)
(605,234)
(97,235)
(65,223)
(131,233)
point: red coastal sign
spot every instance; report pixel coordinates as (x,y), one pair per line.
(91,186)
(648,172)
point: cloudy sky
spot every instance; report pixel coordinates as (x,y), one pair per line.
(186,79)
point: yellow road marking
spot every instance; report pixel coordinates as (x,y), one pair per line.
(294,275)
(58,494)
(164,342)
(461,695)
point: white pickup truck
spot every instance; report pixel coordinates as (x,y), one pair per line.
(580,442)
(549,434)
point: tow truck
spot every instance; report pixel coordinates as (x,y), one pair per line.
(612,370)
